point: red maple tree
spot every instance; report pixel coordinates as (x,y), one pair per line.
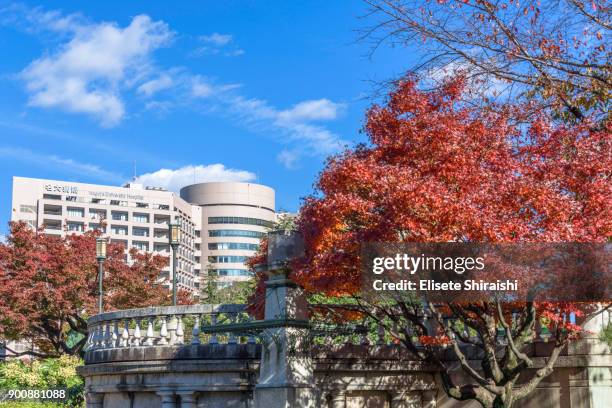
(49,286)
(437,170)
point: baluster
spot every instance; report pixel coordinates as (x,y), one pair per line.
(163,332)
(232,335)
(172,325)
(125,336)
(150,335)
(94,337)
(180,331)
(89,342)
(137,334)
(108,336)
(99,336)
(115,334)
(251,338)
(195,332)
(213,322)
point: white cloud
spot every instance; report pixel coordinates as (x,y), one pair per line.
(155,85)
(216,39)
(320,109)
(37,19)
(174,180)
(86,74)
(67,165)
(98,62)
(293,128)
(200,88)
(288,158)
(235,53)
(216,43)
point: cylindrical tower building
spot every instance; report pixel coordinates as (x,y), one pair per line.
(234,218)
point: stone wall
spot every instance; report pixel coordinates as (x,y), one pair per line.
(181,357)
(226,375)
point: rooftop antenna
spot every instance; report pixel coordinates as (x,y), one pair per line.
(134,178)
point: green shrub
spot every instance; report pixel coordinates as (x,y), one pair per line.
(51,373)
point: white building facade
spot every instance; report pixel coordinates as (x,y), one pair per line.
(221,223)
(234,218)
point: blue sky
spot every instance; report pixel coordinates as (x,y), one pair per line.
(233,90)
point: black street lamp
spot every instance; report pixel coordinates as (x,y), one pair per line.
(100,256)
(175,240)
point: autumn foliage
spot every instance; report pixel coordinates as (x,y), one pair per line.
(49,286)
(438,171)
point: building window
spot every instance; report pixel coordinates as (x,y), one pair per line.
(75,226)
(96,226)
(119,216)
(137,217)
(240,220)
(52,209)
(119,229)
(161,248)
(52,224)
(141,246)
(76,212)
(214,246)
(120,241)
(142,205)
(52,196)
(140,232)
(235,233)
(95,214)
(230,272)
(227,259)
(27,208)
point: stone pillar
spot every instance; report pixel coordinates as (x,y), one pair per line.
(338,399)
(286,372)
(168,399)
(596,375)
(94,400)
(188,399)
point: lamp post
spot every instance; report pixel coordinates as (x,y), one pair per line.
(100,256)
(175,240)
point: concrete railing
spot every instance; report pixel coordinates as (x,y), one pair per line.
(226,324)
(166,326)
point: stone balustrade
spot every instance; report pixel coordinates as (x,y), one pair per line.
(166,326)
(300,356)
(230,324)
